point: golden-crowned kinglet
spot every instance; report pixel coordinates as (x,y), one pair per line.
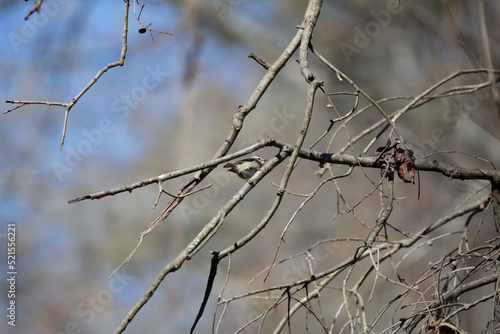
(246,168)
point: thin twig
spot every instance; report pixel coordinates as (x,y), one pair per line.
(70,105)
(259,60)
(36,8)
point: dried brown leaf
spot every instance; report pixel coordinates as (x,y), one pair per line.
(441,330)
(400,160)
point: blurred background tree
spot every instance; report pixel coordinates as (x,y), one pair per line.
(170,106)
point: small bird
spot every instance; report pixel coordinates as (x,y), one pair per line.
(247,167)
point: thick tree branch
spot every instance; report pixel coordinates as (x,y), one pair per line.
(312,14)
(451,171)
(167,176)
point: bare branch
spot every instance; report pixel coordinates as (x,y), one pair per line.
(167,176)
(451,171)
(36,8)
(453,295)
(70,105)
(261,61)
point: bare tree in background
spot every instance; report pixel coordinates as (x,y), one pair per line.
(373,274)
